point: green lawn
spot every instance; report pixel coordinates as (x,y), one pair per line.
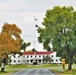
(66,72)
(54,68)
(7,72)
(30,66)
(12,68)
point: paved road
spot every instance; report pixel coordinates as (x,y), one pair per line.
(33,72)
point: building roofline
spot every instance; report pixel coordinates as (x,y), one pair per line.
(37,53)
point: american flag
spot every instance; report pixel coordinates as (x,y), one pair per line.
(36,25)
(35,19)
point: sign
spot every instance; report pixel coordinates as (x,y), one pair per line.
(63,60)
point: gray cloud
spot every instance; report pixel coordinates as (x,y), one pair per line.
(24,4)
(22,12)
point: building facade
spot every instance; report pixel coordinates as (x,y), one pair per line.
(31,57)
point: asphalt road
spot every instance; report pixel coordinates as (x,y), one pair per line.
(33,72)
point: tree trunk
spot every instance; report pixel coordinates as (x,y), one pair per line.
(2,67)
(70,62)
(70,58)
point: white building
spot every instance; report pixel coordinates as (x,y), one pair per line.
(31,57)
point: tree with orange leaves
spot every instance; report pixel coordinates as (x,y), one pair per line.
(9,41)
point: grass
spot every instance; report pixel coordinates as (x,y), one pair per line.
(54,67)
(30,66)
(66,72)
(7,72)
(13,68)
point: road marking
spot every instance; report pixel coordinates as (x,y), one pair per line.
(50,72)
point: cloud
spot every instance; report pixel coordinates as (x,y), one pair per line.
(22,12)
(24,5)
(33,5)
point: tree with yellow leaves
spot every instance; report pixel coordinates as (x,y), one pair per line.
(9,41)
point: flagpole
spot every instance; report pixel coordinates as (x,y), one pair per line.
(35,19)
(35,25)
(34,37)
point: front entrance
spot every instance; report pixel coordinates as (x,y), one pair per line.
(35,62)
(39,60)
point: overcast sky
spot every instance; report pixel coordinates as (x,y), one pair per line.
(22,12)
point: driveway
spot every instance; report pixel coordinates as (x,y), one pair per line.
(33,72)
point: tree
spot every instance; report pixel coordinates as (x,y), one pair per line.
(24,45)
(9,41)
(34,50)
(74,59)
(47,58)
(59,29)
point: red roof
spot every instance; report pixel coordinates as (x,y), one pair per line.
(37,53)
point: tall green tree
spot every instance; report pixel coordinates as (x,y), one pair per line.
(59,29)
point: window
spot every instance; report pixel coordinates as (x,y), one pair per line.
(27,60)
(43,56)
(31,56)
(14,56)
(52,55)
(14,61)
(27,56)
(31,60)
(52,60)
(18,60)
(39,56)
(35,56)
(18,56)
(56,60)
